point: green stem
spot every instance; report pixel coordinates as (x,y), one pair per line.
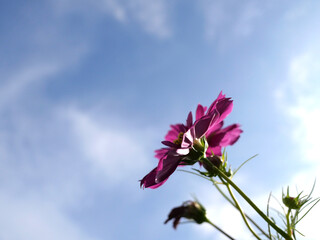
(219,229)
(288,223)
(241,211)
(232,203)
(229,200)
(245,197)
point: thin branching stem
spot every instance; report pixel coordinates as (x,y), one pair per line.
(289,230)
(220,230)
(233,204)
(245,197)
(240,210)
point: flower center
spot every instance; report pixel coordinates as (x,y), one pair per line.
(178,141)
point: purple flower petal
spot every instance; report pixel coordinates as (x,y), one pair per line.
(160,153)
(231,135)
(170,144)
(149,181)
(200,111)
(203,124)
(215,150)
(188,138)
(224,107)
(213,105)
(189,120)
(174,132)
(222,138)
(214,128)
(167,165)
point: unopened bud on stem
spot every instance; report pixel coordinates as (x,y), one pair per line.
(190,210)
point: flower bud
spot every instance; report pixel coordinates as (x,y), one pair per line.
(209,166)
(293,202)
(189,210)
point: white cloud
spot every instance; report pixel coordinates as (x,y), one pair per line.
(46,51)
(227,218)
(225,19)
(299,69)
(223,214)
(304,181)
(115,152)
(51,160)
(152,16)
(296,12)
(299,100)
(115,8)
(44,175)
(302,104)
(36,219)
(25,78)
(244,26)
(40,179)
(215,16)
(306,133)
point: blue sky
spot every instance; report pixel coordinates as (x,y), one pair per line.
(89,88)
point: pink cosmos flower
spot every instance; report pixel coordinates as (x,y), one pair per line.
(182,140)
(219,137)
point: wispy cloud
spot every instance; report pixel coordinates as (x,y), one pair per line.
(245,24)
(49,154)
(151,16)
(36,219)
(115,8)
(51,160)
(299,100)
(24,78)
(224,19)
(39,179)
(227,218)
(224,215)
(46,50)
(301,69)
(115,152)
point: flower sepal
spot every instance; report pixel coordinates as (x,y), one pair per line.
(213,163)
(200,145)
(192,210)
(293,202)
(197,152)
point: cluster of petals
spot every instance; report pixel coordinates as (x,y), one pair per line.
(180,139)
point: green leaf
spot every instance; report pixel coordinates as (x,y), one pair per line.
(244,164)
